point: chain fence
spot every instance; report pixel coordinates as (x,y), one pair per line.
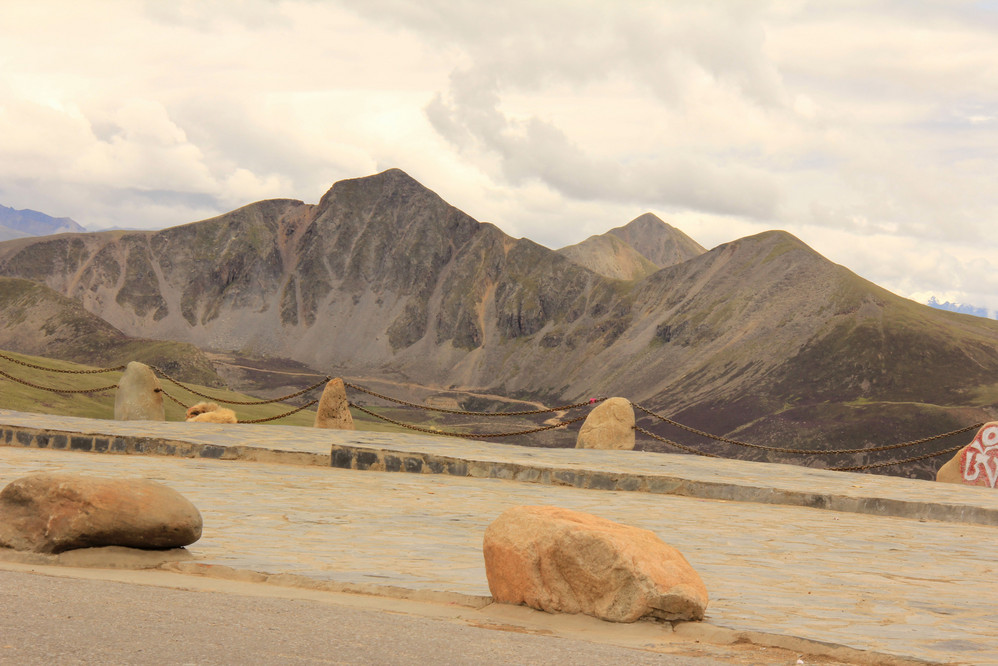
(860,468)
(284,415)
(529,412)
(561,410)
(284,398)
(176,400)
(92,371)
(161,373)
(808,452)
(52,389)
(675,445)
(468,435)
(226,401)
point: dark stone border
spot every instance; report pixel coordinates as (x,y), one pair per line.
(361,458)
(19,436)
(376,459)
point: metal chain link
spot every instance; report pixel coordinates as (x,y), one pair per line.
(808,452)
(897,462)
(465,435)
(281,416)
(182,405)
(239,402)
(271,418)
(546,410)
(57,390)
(68,372)
(924,440)
(676,444)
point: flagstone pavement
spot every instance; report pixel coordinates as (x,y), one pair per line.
(904,567)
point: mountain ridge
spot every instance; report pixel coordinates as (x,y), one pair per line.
(660,242)
(25,223)
(962,308)
(35,319)
(384,278)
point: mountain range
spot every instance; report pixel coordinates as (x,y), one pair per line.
(761,338)
(24,223)
(962,307)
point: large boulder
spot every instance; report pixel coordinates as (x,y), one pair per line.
(609,426)
(563,561)
(139,396)
(334,411)
(977,463)
(51,513)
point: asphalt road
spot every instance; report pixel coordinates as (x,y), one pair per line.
(49,620)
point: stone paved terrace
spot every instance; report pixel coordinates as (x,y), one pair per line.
(660,473)
(918,581)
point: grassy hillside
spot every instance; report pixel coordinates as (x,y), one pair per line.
(19,397)
(36,320)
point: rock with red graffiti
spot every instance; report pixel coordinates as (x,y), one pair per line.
(977,463)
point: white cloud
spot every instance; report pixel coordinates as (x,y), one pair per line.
(535,149)
(205,102)
(911,267)
(522,51)
(866,128)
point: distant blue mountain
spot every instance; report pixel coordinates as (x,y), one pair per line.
(20,223)
(963,309)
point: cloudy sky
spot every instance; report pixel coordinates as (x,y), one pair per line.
(868,129)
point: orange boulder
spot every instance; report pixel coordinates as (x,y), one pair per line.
(563,561)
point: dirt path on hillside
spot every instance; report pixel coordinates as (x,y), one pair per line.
(555,418)
(233,362)
(273,372)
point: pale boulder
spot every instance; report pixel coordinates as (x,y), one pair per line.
(977,463)
(334,411)
(139,396)
(52,513)
(563,561)
(609,426)
(210,412)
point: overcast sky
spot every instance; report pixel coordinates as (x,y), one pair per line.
(867,129)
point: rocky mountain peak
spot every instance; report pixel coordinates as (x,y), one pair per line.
(767,245)
(389,182)
(635,250)
(644,223)
(659,242)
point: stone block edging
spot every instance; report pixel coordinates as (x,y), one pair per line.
(360,457)
(43,438)
(386,460)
